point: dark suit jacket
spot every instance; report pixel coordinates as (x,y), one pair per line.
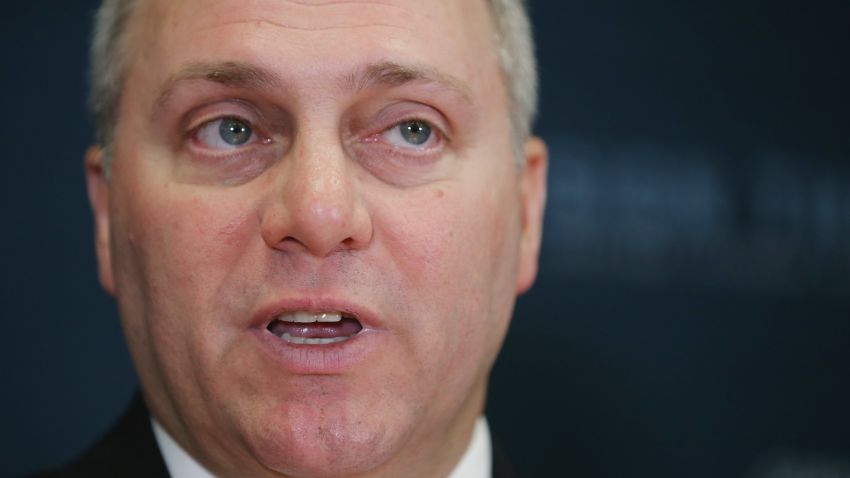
(129,450)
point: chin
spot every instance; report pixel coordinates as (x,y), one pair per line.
(313,440)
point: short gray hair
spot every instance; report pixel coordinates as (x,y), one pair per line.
(108,70)
(518,63)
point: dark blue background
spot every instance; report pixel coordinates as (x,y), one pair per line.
(692,316)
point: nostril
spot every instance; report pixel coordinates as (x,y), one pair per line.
(290,243)
(316,219)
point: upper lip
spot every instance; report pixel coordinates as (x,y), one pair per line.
(312,303)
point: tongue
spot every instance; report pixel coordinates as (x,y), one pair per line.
(316,330)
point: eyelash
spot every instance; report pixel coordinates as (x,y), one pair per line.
(435,132)
(256,134)
(258,138)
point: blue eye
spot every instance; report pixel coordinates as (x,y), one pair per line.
(411,133)
(234,131)
(225,133)
(415,132)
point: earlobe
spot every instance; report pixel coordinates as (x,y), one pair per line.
(98,190)
(532,204)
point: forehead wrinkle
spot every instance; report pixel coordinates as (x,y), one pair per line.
(328,3)
(233,74)
(292,26)
(388,74)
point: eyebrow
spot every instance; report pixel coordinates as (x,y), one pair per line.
(248,76)
(232,74)
(389,74)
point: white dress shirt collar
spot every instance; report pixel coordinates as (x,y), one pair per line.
(475,463)
(179,463)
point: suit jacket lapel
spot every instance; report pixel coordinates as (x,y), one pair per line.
(129,450)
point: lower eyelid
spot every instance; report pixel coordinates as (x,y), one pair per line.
(430,143)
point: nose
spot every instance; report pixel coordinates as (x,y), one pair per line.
(316,205)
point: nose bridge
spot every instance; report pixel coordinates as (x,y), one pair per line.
(322,190)
(315,204)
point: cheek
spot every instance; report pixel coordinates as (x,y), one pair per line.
(191,240)
(453,248)
(206,233)
(445,226)
(178,259)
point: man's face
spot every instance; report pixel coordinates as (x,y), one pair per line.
(276,161)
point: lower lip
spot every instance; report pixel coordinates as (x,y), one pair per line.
(327,359)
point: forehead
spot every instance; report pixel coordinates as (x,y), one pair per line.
(315,39)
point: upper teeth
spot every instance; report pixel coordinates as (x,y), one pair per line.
(310,317)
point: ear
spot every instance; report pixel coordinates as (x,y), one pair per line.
(532,203)
(98,189)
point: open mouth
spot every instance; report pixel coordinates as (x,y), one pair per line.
(315,328)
